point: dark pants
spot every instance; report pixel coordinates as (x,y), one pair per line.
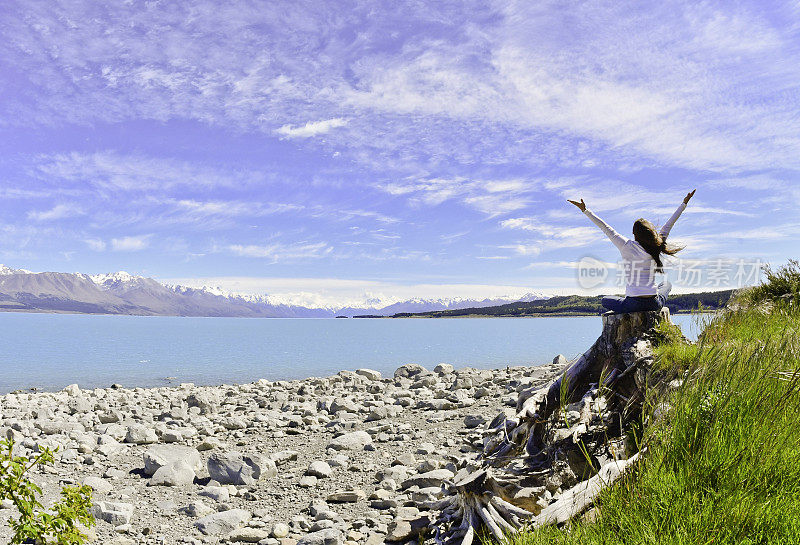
(621,305)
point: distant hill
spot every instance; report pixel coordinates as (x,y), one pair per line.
(575,305)
(123,293)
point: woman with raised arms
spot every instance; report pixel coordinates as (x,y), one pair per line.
(642,260)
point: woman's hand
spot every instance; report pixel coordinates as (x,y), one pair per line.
(582,205)
(689,196)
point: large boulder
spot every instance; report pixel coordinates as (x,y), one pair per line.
(158,456)
(223,522)
(355,440)
(429,478)
(410,370)
(369,374)
(328,536)
(114,513)
(240,469)
(177,473)
(140,435)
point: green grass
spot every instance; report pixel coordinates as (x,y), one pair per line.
(724,465)
(783,283)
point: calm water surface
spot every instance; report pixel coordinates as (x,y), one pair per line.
(50,351)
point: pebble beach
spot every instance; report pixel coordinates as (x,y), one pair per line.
(346,459)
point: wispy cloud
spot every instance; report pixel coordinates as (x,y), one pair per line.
(58,212)
(381,128)
(96,244)
(312,128)
(130,243)
(111,170)
(490,197)
(282,252)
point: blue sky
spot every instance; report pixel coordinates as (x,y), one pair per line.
(348,149)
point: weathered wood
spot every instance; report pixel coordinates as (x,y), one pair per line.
(577,499)
(538,446)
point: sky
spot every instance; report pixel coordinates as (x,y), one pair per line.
(336,151)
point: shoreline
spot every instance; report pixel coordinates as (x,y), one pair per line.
(362,449)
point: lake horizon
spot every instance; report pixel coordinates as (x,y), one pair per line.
(48,351)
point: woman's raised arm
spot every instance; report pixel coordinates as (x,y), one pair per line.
(664,232)
(618,240)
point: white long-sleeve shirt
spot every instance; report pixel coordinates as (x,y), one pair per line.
(639,265)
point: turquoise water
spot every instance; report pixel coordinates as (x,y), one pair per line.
(50,351)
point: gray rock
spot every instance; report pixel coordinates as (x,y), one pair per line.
(346,496)
(222,523)
(216,493)
(369,374)
(237,468)
(53,427)
(409,370)
(280,530)
(140,435)
(178,473)
(355,440)
(307,481)
(560,360)
(284,456)
(384,411)
(162,455)
(403,530)
(209,443)
(98,484)
(473,421)
(206,401)
(444,369)
(72,390)
(405,459)
(427,479)
(248,535)
(319,469)
(329,536)
(114,513)
(196,509)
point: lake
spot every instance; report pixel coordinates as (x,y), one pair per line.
(50,351)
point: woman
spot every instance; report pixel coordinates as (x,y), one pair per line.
(641,259)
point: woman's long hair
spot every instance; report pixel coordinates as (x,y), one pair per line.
(646,234)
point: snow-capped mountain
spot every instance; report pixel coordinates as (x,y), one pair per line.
(124,293)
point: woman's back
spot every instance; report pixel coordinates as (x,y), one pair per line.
(639,269)
(639,265)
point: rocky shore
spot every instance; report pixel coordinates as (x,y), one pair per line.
(344,459)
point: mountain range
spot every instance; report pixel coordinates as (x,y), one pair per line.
(122,293)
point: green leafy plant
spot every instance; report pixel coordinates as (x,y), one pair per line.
(782,283)
(61,525)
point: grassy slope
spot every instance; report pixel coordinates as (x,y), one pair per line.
(724,465)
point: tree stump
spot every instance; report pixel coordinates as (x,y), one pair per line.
(565,440)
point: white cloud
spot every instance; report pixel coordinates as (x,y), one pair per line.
(490,197)
(233,208)
(282,252)
(312,128)
(130,243)
(58,212)
(96,244)
(113,171)
(697,85)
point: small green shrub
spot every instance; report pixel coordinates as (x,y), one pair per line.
(780,284)
(61,525)
(667,333)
